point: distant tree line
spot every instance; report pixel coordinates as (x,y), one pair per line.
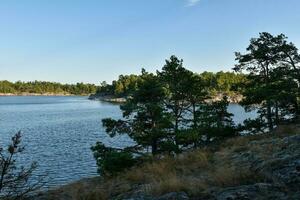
(220,82)
(167,112)
(42,87)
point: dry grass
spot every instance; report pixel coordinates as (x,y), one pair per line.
(78,191)
(169,183)
(167,166)
(191,172)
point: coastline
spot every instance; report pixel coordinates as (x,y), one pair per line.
(235,98)
(40,94)
(107,98)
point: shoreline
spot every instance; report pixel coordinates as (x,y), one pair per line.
(236,98)
(107,98)
(38,94)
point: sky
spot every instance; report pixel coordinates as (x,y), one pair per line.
(92,41)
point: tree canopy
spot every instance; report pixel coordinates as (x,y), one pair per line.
(174,110)
(273,80)
(166,112)
(43,87)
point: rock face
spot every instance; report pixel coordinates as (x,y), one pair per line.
(249,192)
(174,196)
(278,164)
(168,196)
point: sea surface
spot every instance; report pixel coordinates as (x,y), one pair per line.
(59,131)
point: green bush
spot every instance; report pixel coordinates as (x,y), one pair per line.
(111,161)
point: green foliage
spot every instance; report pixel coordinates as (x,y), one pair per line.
(17,182)
(220,82)
(253,126)
(145,119)
(187,137)
(111,161)
(273,80)
(174,109)
(196,94)
(7,87)
(43,87)
(224,82)
(176,80)
(214,121)
(123,87)
(165,113)
(215,114)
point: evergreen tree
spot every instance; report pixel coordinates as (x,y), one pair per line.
(215,122)
(166,113)
(145,120)
(289,60)
(177,81)
(270,84)
(196,96)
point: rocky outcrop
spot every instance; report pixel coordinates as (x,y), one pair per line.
(276,161)
(174,196)
(273,160)
(168,196)
(107,98)
(232,98)
(249,192)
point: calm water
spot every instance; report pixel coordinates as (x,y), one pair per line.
(59,131)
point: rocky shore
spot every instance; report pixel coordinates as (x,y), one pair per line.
(242,168)
(107,98)
(233,98)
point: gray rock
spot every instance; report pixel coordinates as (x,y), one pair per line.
(250,192)
(174,196)
(278,167)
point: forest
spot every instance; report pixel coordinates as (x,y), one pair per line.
(44,87)
(223,82)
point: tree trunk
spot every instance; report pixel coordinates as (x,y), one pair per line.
(297,71)
(269,116)
(176,124)
(297,108)
(194,116)
(154,147)
(176,113)
(276,113)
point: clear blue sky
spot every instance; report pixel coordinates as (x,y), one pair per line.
(95,40)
